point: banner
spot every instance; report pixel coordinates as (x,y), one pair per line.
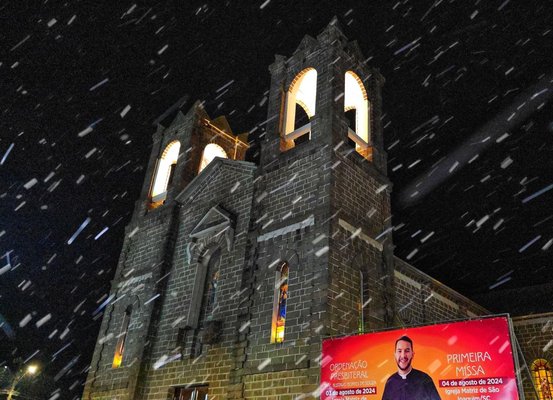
(469,360)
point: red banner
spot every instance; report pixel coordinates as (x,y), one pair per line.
(469,360)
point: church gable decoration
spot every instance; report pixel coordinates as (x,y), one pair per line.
(214,230)
(215,222)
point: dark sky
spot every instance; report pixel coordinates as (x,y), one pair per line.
(81,85)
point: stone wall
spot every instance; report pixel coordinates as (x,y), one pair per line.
(141,262)
(534,334)
(289,216)
(178,353)
(420,299)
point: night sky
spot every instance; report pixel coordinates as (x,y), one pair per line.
(468,126)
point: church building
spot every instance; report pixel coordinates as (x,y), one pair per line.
(232,273)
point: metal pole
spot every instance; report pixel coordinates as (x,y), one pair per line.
(519,349)
(16,380)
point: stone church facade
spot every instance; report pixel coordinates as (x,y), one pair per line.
(232,273)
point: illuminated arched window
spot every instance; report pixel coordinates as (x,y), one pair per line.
(121,339)
(300,107)
(356,108)
(164,173)
(279,305)
(211,151)
(543,378)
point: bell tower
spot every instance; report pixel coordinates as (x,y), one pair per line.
(182,150)
(232,274)
(325,94)
(321,216)
(132,313)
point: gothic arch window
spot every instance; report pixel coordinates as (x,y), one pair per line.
(357,111)
(122,339)
(205,294)
(543,378)
(164,173)
(279,303)
(300,107)
(213,266)
(211,151)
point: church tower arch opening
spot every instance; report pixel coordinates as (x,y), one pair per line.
(211,151)
(164,174)
(357,111)
(300,107)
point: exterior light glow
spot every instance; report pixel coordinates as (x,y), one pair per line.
(279,306)
(355,97)
(32,369)
(303,92)
(211,151)
(169,157)
(306,92)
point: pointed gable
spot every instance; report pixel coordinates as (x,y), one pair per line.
(208,175)
(332,33)
(308,42)
(215,221)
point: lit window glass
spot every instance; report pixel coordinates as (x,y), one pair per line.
(543,378)
(281,297)
(122,338)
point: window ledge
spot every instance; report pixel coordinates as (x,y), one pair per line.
(299,132)
(159,197)
(357,139)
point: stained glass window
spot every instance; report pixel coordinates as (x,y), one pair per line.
(122,338)
(543,378)
(279,311)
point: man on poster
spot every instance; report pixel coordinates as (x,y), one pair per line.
(408,383)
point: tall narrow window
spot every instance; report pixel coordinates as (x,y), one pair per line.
(164,173)
(204,299)
(361,324)
(191,393)
(212,284)
(356,109)
(300,107)
(279,306)
(543,379)
(121,339)
(211,151)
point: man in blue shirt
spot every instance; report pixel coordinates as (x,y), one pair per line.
(408,383)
